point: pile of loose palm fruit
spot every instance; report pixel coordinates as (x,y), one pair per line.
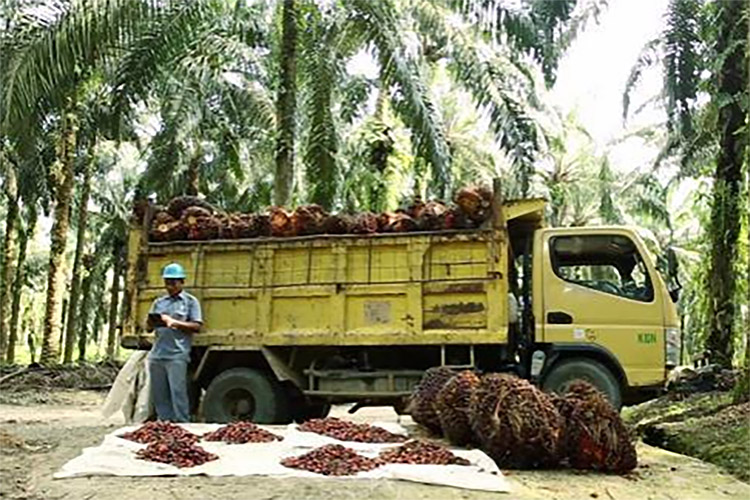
(171,444)
(191,218)
(519,426)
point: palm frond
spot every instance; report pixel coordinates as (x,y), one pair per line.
(412,101)
(53,43)
(681,62)
(648,56)
(541,29)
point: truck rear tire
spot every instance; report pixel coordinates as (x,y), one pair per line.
(245,394)
(567,371)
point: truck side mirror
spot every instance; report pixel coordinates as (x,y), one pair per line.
(673,265)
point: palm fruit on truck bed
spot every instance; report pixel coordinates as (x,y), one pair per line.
(475,202)
(308,219)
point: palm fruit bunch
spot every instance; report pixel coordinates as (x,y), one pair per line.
(515,423)
(452,407)
(455,218)
(308,219)
(594,436)
(338,224)
(200,223)
(475,202)
(239,226)
(422,402)
(366,223)
(177,206)
(429,216)
(164,227)
(396,222)
(281,222)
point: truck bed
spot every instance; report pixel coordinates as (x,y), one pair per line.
(447,287)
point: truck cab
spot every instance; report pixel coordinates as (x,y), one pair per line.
(602,311)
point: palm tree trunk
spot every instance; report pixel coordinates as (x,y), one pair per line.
(726,209)
(9,250)
(58,235)
(113,303)
(83,320)
(286,104)
(70,330)
(15,308)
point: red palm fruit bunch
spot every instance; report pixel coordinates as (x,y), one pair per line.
(366,223)
(281,222)
(175,451)
(200,223)
(396,222)
(241,432)
(158,431)
(430,216)
(594,436)
(338,224)
(350,431)
(452,407)
(332,460)
(309,219)
(421,452)
(164,227)
(421,404)
(515,423)
(475,202)
(177,205)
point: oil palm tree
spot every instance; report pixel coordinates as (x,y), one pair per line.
(705,87)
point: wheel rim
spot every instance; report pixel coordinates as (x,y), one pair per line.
(239,404)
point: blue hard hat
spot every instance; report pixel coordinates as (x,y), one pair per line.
(173,271)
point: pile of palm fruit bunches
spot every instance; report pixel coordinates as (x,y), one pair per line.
(191,218)
(521,427)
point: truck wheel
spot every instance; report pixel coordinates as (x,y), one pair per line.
(245,394)
(565,372)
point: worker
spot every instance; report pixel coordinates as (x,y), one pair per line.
(175,317)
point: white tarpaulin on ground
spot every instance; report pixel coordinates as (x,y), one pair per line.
(116,457)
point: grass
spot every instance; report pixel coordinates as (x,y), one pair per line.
(705,426)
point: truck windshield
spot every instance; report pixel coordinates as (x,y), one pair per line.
(607,263)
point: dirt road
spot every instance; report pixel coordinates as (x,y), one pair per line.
(36,439)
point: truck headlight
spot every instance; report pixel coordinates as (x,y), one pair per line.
(672,343)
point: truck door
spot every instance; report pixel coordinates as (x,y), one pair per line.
(598,291)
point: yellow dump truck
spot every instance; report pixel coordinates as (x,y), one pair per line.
(292,325)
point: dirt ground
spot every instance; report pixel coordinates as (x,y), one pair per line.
(38,437)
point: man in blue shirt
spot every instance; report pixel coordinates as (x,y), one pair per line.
(175,317)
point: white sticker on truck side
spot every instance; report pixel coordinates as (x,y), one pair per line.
(579,333)
(377,312)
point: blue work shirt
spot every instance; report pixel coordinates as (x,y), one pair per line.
(172,343)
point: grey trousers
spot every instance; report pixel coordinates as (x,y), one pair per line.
(169,390)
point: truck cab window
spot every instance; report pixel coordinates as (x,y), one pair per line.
(607,263)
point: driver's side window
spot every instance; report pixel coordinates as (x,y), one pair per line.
(607,263)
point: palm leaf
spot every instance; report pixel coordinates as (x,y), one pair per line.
(411,101)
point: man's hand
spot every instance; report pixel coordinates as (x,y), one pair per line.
(168,320)
(185,326)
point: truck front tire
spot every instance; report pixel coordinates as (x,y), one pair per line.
(567,371)
(245,394)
